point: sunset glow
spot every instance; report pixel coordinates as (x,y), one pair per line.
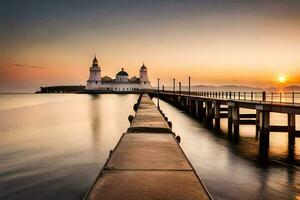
(241,43)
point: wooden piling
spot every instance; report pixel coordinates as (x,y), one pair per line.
(217,116)
(257,124)
(291,135)
(197,109)
(264,134)
(201,112)
(229,121)
(208,114)
(191,110)
(236,121)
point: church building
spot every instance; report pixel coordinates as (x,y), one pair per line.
(121,82)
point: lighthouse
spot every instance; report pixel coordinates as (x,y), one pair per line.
(144,81)
(94,81)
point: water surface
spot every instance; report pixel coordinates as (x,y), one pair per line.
(52,146)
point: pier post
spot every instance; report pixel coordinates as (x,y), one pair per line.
(208,114)
(189,85)
(291,133)
(229,121)
(190,108)
(200,110)
(236,120)
(217,116)
(178,101)
(197,109)
(264,96)
(158,93)
(187,104)
(173,98)
(264,131)
(174,85)
(257,124)
(179,88)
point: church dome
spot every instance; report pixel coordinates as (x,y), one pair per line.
(122,73)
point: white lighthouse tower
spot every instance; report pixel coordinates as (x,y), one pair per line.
(144,81)
(94,81)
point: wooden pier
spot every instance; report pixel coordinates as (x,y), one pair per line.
(148,162)
(210,107)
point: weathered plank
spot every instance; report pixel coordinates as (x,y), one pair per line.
(148,152)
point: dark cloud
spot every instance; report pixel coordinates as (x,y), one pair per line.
(29,66)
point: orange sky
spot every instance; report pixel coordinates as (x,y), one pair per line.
(234,44)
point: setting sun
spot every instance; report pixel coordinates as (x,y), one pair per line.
(281,78)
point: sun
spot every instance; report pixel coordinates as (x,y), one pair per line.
(281,78)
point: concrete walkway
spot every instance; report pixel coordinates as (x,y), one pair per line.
(148,163)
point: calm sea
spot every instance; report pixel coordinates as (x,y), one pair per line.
(52,146)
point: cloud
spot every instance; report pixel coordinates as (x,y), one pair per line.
(29,66)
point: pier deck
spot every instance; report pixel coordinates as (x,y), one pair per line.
(148,163)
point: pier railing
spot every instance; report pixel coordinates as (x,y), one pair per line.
(272,97)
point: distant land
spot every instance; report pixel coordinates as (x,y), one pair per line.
(292,88)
